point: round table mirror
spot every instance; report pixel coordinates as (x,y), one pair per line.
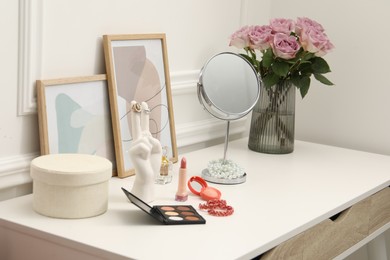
(228,88)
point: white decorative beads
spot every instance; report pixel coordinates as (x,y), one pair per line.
(225,169)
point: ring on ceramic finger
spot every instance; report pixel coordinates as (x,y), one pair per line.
(146,111)
(136,107)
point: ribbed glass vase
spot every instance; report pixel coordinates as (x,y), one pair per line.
(273,120)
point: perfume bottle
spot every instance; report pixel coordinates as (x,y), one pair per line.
(165,174)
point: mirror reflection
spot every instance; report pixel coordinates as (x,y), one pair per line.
(228,86)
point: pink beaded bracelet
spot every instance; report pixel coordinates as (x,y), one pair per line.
(217,208)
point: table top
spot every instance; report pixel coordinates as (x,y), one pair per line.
(283,195)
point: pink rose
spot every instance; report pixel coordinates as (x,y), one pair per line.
(285,46)
(260,37)
(315,41)
(281,25)
(304,23)
(240,38)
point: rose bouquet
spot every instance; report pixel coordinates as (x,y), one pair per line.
(291,51)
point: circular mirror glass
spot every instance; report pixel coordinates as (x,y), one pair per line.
(228,86)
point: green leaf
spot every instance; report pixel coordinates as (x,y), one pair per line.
(304,84)
(257,64)
(281,68)
(319,65)
(268,58)
(292,61)
(295,80)
(307,56)
(305,66)
(270,80)
(323,79)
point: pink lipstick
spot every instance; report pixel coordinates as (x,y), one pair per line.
(182,194)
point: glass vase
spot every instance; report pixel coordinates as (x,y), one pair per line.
(273,120)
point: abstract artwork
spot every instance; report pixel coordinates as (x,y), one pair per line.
(137,69)
(74,116)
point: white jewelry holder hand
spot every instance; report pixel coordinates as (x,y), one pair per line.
(145,152)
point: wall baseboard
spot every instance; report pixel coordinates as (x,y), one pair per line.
(184,82)
(15,170)
(206,130)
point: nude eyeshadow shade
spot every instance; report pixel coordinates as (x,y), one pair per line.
(167,208)
(180,213)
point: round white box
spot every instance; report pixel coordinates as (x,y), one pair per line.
(70,185)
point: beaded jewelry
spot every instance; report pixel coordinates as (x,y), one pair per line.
(217,208)
(225,169)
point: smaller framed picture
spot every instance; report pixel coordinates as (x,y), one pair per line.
(137,69)
(74,117)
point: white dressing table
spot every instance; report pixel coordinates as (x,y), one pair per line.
(286,202)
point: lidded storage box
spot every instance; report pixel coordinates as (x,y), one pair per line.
(70,185)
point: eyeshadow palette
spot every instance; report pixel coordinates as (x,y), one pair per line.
(168,214)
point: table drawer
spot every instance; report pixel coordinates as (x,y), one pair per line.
(329,238)
(379,209)
(335,235)
(290,249)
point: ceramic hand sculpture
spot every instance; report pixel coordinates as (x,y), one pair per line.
(145,152)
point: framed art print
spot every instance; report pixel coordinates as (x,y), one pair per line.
(74,117)
(137,69)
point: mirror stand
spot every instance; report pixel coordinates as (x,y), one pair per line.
(226,140)
(228,88)
(224,171)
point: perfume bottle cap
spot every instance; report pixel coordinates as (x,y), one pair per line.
(164,157)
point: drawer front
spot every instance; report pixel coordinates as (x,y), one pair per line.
(379,209)
(327,239)
(290,249)
(333,236)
